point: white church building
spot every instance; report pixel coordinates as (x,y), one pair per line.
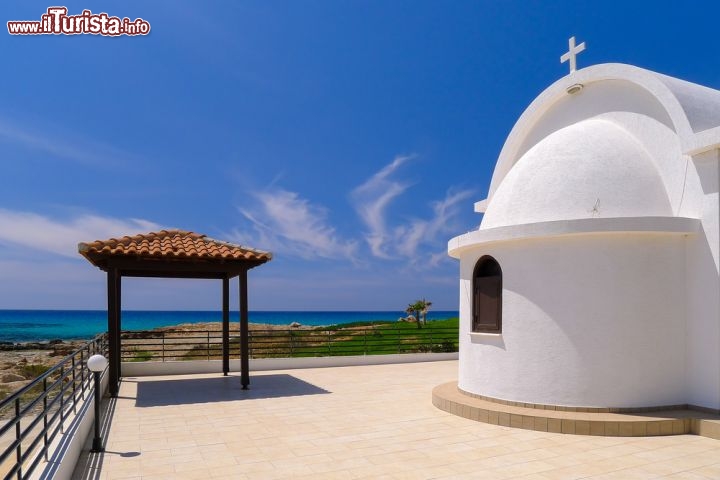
(592,280)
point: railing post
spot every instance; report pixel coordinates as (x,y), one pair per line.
(62,399)
(365,341)
(45,424)
(18,451)
(208,345)
(74,379)
(82,374)
(163,346)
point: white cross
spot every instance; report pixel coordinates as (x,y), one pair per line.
(570,55)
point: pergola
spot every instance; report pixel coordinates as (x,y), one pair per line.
(174,254)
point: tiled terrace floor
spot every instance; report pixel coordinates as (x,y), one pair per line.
(355,422)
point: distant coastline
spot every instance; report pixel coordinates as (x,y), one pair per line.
(43,325)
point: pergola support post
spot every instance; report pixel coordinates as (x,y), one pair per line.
(226,325)
(244,333)
(118,314)
(113,280)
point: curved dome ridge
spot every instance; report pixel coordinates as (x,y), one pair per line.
(692,111)
(701,104)
(593,168)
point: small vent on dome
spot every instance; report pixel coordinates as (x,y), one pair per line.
(572,89)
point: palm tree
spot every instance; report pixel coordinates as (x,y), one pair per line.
(418,308)
(425,308)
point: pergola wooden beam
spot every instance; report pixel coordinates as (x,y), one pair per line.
(175,254)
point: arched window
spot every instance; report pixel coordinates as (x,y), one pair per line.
(487,296)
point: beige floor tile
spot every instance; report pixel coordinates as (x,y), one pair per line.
(377,422)
(708,471)
(687,476)
(629,474)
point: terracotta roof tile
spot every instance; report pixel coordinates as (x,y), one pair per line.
(169,244)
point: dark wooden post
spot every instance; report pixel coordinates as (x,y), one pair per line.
(118,310)
(244,333)
(112,280)
(226,325)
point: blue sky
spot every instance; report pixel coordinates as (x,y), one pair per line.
(350,138)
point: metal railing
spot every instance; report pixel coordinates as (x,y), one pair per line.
(171,345)
(32,417)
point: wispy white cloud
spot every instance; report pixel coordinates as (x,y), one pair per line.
(428,231)
(435,259)
(283,221)
(27,229)
(371,201)
(69,147)
(404,239)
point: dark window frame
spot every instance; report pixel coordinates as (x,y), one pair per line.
(487,296)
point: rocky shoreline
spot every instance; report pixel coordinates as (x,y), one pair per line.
(22,362)
(59,346)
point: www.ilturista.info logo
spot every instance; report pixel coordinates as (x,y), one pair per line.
(57,22)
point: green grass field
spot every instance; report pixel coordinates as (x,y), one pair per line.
(396,337)
(361,338)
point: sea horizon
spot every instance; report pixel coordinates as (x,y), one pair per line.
(35,325)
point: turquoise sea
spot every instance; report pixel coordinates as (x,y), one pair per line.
(39,325)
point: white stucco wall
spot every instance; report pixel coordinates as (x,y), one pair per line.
(702,368)
(594,321)
(604,214)
(140,369)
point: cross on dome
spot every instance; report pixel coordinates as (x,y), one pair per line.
(572,53)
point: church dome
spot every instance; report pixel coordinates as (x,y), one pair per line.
(593,168)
